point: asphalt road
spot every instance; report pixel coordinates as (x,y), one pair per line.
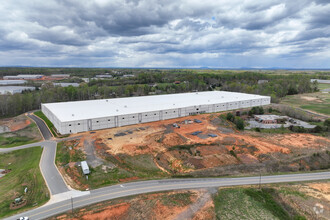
(42,127)
(141,187)
(51,174)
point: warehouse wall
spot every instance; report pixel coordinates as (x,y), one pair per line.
(130,119)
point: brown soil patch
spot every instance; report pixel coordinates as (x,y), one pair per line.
(17,123)
(111,212)
(129,179)
(309,98)
(300,140)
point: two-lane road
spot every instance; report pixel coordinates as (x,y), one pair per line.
(141,187)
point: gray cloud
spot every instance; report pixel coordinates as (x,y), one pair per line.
(164,33)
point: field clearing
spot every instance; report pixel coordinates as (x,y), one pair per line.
(25,172)
(22,130)
(317,102)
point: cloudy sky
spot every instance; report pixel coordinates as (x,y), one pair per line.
(165,33)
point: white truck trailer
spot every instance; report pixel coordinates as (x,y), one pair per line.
(84,167)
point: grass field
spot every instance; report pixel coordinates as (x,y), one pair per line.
(18,138)
(49,123)
(323,86)
(249,203)
(317,102)
(24,165)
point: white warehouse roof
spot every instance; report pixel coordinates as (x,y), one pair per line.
(14,89)
(80,110)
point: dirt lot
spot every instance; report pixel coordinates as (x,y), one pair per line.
(14,124)
(176,151)
(18,131)
(195,204)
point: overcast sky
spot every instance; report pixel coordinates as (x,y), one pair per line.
(165,33)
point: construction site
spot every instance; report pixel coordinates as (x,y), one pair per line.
(201,145)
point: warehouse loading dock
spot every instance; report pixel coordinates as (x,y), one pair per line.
(80,116)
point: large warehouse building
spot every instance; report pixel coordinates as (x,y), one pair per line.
(79,116)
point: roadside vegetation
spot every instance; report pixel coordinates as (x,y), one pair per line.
(24,173)
(159,205)
(251,203)
(27,135)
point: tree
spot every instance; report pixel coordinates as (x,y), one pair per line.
(230,117)
(239,123)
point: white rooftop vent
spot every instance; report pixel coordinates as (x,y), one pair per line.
(72,115)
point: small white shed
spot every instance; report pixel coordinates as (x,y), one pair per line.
(84,167)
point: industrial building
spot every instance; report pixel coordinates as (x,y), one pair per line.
(12,82)
(66,84)
(24,76)
(74,117)
(14,89)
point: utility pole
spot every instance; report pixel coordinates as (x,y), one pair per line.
(72,204)
(260,179)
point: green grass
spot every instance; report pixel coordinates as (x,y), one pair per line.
(274,130)
(248,203)
(49,123)
(323,86)
(320,102)
(25,173)
(321,108)
(17,138)
(64,156)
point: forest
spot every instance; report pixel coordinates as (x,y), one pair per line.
(150,82)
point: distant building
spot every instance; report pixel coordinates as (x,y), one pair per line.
(262,81)
(12,82)
(321,81)
(14,89)
(270,119)
(60,75)
(128,75)
(24,76)
(103,76)
(66,84)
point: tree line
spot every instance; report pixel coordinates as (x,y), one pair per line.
(148,82)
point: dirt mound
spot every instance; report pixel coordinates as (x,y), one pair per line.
(174,139)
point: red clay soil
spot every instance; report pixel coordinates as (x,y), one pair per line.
(129,179)
(111,212)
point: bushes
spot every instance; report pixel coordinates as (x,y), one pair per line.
(259,110)
(236,120)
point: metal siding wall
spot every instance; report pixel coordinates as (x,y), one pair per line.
(131,119)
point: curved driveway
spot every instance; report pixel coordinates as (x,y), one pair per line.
(128,189)
(42,127)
